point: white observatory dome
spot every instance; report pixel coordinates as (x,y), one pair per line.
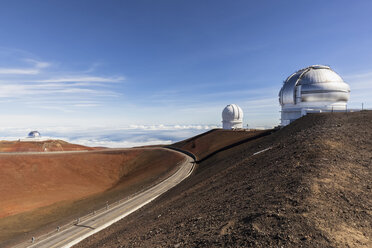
(34,134)
(314,89)
(232,117)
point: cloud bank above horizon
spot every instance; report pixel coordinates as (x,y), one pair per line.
(129,136)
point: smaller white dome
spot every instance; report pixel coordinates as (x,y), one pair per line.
(34,134)
(232,117)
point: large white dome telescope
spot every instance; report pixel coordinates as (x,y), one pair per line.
(232,117)
(314,89)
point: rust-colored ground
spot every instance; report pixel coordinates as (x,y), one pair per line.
(313,188)
(38,191)
(40,146)
(33,181)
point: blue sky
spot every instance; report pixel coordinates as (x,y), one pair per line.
(115,64)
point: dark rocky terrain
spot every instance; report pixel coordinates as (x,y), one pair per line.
(206,144)
(313,188)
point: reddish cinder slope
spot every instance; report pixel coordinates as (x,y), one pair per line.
(40,191)
(207,143)
(32,181)
(40,146)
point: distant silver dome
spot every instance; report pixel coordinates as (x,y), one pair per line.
(314,88)
(34,134)
(232,117)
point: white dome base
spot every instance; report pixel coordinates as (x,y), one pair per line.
(293,112)
(232,125)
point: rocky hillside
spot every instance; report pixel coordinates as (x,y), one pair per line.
(311,188)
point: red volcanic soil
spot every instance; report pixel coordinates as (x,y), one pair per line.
(313,188)
(40,146)
(33,181)
(41,190)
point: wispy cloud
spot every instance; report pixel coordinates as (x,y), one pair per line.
(198,98)
(18,71)
(61,109)
(358,75)
(270,102)
(359,81)
(85,105)
(361,85)
(34,69)
(54,86)
(82,79)
(37,63)
(93,67)
(21,90)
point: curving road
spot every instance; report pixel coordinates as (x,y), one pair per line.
(76,233)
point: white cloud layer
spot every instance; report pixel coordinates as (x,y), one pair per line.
(128,136)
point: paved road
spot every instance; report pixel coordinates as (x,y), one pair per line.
(86,228)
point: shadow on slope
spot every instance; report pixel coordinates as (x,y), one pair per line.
(209,143)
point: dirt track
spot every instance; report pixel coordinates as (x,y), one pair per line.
(312,189)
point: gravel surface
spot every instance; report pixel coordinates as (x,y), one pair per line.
(313,188)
